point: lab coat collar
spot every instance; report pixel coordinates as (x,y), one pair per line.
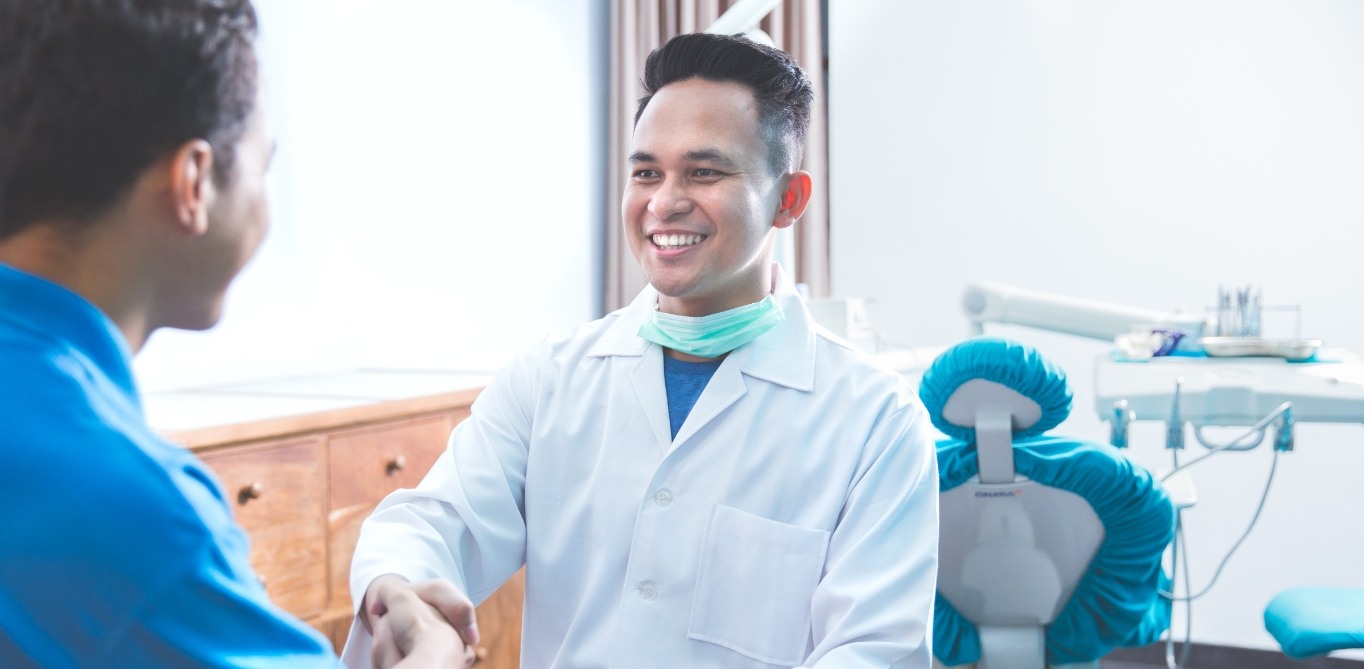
(785,355)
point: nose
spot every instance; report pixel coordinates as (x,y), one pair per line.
(669,200)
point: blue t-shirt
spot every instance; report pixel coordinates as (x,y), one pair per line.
(117,548)
(684,382)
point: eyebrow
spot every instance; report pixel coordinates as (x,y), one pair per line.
(711,156)
(698,156)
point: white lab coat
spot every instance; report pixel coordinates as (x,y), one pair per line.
(792,522)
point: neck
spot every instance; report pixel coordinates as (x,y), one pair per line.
(686,357)
(84,260)
(759,286)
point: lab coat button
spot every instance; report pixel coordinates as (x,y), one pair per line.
(663,497)
(647,592)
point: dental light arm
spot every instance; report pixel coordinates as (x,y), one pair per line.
(987,302)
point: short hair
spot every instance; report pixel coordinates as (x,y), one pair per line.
(779,85)
(93,92)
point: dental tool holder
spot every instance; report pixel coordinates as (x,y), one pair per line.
(1281,418)
(1120,420)
(1238,312)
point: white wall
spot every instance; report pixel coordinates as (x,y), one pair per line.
(1134,152)
(437,191)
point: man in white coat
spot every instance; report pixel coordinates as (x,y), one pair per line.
(705,478)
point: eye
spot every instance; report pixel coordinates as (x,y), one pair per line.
(644,175)
(706,174)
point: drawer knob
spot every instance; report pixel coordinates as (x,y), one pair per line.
(396,464)
(250,492)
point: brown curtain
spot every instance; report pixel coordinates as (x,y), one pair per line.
(640,26)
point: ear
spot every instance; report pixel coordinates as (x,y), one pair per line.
(191,185)
(794,199)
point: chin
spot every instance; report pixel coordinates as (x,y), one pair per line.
(198,319)
(671,285)
(672,290)
(209,320)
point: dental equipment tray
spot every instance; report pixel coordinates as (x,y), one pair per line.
(1239,347)
(1234,391)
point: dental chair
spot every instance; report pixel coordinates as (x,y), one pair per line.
(1311,621)
(1050,548)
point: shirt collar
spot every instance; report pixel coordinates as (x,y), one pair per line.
(52,312)
(785,355)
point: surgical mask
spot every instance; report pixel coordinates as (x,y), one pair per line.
(714,335)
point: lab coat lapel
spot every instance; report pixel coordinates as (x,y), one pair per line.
(647,379)
(785,356)
(723,389)
(646,373)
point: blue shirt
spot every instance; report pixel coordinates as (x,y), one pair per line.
(117,548)
(684,382)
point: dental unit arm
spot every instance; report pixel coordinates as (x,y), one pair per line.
(987,302)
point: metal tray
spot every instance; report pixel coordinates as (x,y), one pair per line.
(1236,347)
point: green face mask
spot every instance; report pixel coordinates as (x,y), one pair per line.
(714,335)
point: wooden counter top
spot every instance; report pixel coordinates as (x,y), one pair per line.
(205,418)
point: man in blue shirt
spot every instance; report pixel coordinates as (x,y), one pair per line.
(133,151)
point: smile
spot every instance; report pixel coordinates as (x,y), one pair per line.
(675,241)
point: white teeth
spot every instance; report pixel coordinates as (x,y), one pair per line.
(676,241)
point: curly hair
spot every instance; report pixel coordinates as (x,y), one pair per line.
(92,92)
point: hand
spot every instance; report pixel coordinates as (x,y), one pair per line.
(425,624)
(412,634)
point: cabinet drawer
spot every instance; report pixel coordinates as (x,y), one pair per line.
(368,464)
(278,494)
(343,532)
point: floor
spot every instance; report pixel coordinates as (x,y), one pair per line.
(1220,657)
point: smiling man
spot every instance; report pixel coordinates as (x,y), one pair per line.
(705,478)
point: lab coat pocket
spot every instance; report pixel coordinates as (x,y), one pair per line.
(754,586)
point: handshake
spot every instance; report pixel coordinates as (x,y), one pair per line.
(419,625)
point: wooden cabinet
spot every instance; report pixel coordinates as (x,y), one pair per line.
(301,487)
(280,499)
(365,465)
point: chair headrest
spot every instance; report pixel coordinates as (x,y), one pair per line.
(1016,366)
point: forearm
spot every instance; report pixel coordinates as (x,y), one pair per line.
(874,604)
(395,550)
(464,521)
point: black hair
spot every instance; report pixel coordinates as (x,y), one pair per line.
(93,92)
(779,85)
